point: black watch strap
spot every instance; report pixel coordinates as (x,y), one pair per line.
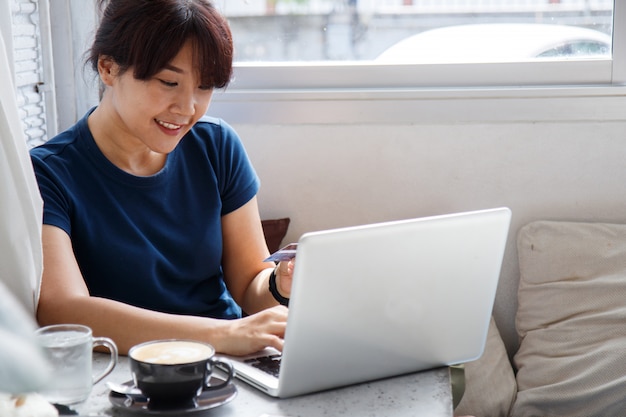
(274,290)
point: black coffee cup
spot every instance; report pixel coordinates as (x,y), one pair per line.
(175,371)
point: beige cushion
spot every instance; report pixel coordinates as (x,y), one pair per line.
(489,381)
(571,320)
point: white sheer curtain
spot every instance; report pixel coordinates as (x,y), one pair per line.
(23,368)
(20,202)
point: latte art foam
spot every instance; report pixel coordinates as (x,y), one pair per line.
(172,352)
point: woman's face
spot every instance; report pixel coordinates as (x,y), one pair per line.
(159,111)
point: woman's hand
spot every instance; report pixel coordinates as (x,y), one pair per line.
(256,332)
(284,277)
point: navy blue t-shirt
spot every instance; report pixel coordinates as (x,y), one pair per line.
(153,242)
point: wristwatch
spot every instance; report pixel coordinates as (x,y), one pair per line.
(274,290)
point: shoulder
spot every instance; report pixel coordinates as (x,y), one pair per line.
(211,120)
(57,150)
(61,145)
(214,135)
(215,126)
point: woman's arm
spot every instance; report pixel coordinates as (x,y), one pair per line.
(245,273)
(65,299)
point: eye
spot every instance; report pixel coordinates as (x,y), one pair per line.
(205,88)
(168,83)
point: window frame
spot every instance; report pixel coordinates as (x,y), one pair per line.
(370,75)
(338,94)
(619,43)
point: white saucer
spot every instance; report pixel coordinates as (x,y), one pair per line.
(205,401)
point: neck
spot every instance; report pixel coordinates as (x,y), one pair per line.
(121,148)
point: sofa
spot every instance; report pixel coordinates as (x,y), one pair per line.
(571,326)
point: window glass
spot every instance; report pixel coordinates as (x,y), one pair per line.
(419,31)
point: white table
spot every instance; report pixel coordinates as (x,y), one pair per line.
(421,394)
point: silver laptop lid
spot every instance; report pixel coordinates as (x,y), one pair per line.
(386,299)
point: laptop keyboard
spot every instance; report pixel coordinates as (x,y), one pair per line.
(269,364)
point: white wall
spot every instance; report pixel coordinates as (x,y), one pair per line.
(545,158)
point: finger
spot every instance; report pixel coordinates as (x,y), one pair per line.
(279,312)
(276,342)
(282,311)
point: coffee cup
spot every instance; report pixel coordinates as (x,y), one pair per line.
(69,348)
(175,371)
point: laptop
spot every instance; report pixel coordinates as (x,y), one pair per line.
(387,299)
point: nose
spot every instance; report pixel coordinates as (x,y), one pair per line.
(185,103)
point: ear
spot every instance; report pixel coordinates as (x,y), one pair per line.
(107,69)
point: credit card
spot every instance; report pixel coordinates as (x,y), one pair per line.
(283,254)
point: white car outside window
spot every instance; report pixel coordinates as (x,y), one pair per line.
(483,43)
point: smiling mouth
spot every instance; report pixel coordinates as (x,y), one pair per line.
(167,125)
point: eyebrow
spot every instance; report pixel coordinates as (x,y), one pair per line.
(173,68)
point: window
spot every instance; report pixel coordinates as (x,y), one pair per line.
(313,44)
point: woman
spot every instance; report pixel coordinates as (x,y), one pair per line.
(151,225)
